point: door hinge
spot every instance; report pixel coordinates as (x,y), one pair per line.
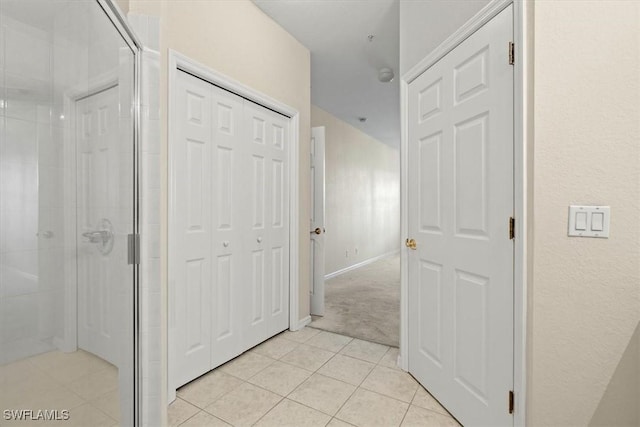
(133,249)
(512,228)
(511,401)
(512,53)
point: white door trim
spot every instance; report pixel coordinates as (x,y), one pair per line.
(177,62)
(317,242)
(522,180)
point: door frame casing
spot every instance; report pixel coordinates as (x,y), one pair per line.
(522,180)
(318,151)
(179,62)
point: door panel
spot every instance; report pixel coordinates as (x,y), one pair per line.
(278,284)
(267,239)
(278,303)
(193,214)
(430,183)
(224,314)
(460,200)
(229,267)
(196,331)
(231,184)
(430,315)
(257,288)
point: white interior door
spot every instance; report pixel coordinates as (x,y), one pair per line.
(191,249)
(101,244)
(266,236)
(460,191)
(228,212)
(229,227)
(317,220)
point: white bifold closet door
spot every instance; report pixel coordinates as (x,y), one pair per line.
(231,207)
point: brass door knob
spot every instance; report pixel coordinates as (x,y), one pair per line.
(411,244)
(318,230)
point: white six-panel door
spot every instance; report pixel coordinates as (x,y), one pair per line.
(460,191)
(192,302)
(228,216)
(266,202)
(231,192)
(97,131)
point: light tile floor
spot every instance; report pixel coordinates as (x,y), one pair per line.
(79,382)
(309,378)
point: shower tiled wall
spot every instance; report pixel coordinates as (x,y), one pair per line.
(31,195)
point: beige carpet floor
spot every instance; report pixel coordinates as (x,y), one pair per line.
(364,303)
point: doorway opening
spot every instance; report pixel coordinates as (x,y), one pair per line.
(354,229)
(364,303)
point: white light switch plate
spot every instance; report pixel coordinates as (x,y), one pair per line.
(589,221)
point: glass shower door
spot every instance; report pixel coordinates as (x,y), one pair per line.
(67,207)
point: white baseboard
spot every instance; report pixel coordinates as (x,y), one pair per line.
(301,323)
(360,264)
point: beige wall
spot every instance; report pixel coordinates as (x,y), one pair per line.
(236,38)
(124,5)
(585,292)
(427,23)
(362,188)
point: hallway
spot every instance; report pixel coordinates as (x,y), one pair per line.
(365,303)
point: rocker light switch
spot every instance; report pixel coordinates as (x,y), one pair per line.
(581,221)
(597,221)
(589,221)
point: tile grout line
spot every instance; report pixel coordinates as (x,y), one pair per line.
(269,411)
(217,398)
(409,406)
(315,409)
(188,403)
(188,418)
(235,388)
(358,387)
(299,385)
(219,369)
(391,397)
(448,414)
(312,373)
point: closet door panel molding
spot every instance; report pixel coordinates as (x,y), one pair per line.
(226,243)
(232,200)
(193,220)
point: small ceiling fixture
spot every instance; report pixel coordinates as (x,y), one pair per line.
(385,75)
(370,37)
(362,119)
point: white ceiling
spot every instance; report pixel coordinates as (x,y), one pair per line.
(344,63)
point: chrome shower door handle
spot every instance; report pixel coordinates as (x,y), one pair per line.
(98,236)
(103,237)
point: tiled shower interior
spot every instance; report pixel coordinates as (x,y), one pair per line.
(52,56)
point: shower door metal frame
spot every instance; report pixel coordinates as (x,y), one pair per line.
(119,21)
